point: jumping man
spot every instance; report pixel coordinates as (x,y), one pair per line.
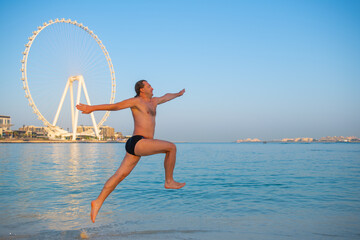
(142,143)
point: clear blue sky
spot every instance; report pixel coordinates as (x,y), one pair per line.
(258,69)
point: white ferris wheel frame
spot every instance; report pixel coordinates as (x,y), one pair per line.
(79,78)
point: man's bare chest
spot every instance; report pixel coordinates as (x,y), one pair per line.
(149,108)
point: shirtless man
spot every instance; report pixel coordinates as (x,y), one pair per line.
(142,143)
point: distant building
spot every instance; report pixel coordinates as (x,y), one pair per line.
(248,140)
(105,131)
(352,139)
(298,140)
(118,136)
(82,128)
(5,124)
(339,139)
(33,131)
(328,139)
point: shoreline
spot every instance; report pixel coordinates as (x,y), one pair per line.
(56,141)
(124,141)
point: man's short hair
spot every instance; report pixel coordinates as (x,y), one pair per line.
(138,85)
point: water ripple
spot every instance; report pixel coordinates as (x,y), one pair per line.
(249,190)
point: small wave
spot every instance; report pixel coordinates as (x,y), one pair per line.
(156,232)
(328,235)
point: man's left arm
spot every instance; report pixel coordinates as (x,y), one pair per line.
(169,96)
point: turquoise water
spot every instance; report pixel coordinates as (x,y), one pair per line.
(233,191)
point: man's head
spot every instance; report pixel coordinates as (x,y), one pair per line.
(144,87)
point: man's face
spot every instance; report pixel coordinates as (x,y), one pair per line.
(148,90)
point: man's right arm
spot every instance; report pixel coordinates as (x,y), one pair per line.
(128,103)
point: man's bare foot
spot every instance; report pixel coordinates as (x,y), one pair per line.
(174,185)
(95,207)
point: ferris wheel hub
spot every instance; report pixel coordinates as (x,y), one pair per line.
(76,78)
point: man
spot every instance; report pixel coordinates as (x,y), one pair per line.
(142,143)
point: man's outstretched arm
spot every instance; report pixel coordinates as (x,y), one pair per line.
(169,96)
(128,103)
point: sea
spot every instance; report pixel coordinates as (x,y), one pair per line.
(233,191)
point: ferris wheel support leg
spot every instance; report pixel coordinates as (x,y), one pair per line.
(61,103)
(77,111)
(96,129)
(72,107)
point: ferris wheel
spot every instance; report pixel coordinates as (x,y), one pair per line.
(66,54)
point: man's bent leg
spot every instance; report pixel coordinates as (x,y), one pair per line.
(147,147)
(123,171)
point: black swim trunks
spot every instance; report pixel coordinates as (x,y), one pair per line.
(131,142)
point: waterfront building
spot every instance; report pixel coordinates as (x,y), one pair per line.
(339,139)
(5,124)
(34,131)
(106,132)
(119,136)
(304,139)
(248,140)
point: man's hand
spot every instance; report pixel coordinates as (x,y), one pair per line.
(181,92)
(84,108)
